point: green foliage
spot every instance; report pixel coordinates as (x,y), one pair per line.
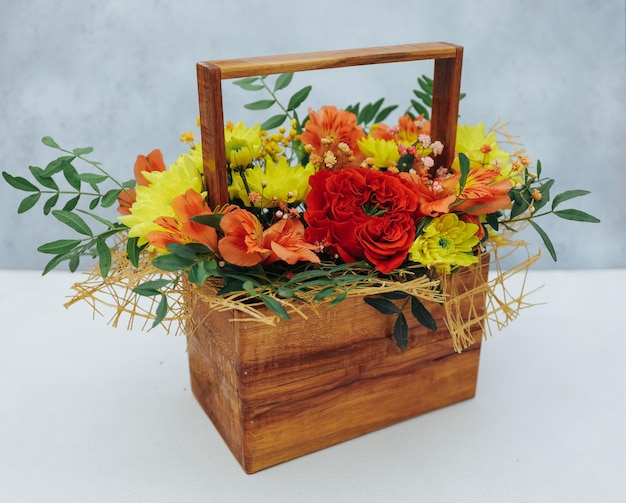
(532,196)
(384,304)
(371,113)
(61,183)
(281,82)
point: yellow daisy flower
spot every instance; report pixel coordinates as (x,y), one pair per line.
(445,242)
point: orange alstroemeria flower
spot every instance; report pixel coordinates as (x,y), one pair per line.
(406,132)
(242,243)
(152,162)
(330,126)
(484,192)
(436,196)
(286,241)
(181,229)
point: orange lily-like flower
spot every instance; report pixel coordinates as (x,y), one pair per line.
(181,229)
(242,243)
(152,162)
(485,192)
(436,196)
(245,243)
(407,131)
(330,126)
(286,241)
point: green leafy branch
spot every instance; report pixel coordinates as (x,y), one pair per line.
(49,181)
(385,305)
(371,113)
(281,82)
(423,102)
(532,196)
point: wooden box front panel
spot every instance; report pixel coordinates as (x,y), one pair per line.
(276,393)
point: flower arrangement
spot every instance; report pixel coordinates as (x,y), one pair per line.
(333,204)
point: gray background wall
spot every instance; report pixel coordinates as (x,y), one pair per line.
(120,76)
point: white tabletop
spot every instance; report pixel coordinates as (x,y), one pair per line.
(91,413)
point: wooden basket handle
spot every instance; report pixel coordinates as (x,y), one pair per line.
(445,108)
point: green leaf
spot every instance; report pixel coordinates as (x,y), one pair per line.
(82,151)
(201,271)
(171,262)
(71,203)
(92,178)
(55,261)
(546,239)
(19,183)
(50,204)
(576,215)
(276,307)
(401,332)
(60,246)
(102,220)
(151,288)
(397,295)
(110,198)
(464,166)
(544,190)
(71,175)
(382,305)
(420,109)
(538,168)
(41,177)
(73,221)
(426,98)
(93,204)
(422,224)
(49,142)
(274,122)
(104,257)
(28,202)
(57,165)
(260,105)
(132,250)
(248,84)
(209,220)
(384,113)
(426,84)
(521,202)
(568,194)
(422,314)
(283,80)
(298,98)
(369,111)
(338,299)
(161,311)
(74,262)
(492,220)
(182,251)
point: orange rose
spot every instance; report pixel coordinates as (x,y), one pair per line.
(362,214)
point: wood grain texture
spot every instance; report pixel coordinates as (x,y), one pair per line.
(446,92)
(276,393)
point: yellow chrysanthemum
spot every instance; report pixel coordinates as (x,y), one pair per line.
(445,242)
(383,153)
(195,156)
(155,200)
(243,144)
(482,151)
(277,183)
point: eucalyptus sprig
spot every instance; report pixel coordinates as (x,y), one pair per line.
(61,181)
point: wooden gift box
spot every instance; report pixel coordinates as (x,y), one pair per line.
(278,392)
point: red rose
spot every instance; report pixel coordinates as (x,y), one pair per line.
(362,214)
